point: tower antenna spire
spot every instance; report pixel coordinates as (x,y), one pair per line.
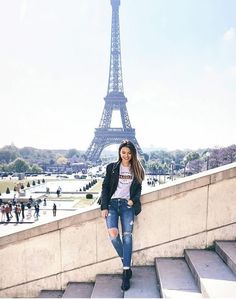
(115,80)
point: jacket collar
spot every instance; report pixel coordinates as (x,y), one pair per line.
(116,165)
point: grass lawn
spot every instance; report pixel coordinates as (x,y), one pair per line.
(4,184)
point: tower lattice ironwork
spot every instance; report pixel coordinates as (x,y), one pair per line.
(114,100)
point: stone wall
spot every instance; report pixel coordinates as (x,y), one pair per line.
(187,213)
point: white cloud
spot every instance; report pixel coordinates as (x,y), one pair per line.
(229,34)
(232,72)
(208,69)
(23,10)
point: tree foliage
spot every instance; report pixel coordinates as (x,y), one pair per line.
(8,154)
(37,159)
(61,160)
(72,153)
(36,169)
(29,159)
(189,162)
(19,165)
(31,155)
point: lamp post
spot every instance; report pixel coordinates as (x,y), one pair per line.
(172,170)
(207,159)
(185,161)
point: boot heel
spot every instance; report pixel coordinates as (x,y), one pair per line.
(125,280)
(130,273)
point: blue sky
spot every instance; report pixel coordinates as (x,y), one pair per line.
(179,71)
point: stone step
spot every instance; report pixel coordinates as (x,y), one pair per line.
(78,290)
(176,279)
(143,283)
(50,294)
(227,251)
(213,276)
(107,286)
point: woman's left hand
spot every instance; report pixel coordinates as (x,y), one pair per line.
(130,202)
(104,213)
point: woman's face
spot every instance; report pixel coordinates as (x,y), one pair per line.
(125,154)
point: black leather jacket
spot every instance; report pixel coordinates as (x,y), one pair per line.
(110,184)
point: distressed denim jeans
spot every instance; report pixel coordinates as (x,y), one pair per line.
(119,208)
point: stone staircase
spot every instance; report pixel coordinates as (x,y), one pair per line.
(201,273)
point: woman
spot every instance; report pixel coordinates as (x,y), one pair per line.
(120,197)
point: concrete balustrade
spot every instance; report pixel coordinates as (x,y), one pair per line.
(187,213)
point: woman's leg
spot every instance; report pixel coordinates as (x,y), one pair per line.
(127,222)
(112,226)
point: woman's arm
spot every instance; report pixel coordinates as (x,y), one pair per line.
(136,192)
(106,188)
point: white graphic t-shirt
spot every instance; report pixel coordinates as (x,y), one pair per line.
(125,181)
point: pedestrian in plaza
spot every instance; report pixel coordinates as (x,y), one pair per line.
(10,206)
(29,214)
(17,212)
(54,209)
(7,210)
(58,191)
(120,198)
(3,212)
(22,211)
(36,212)
(14,200)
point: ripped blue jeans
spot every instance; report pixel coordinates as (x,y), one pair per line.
(119,208)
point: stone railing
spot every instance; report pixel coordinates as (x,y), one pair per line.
(187,213)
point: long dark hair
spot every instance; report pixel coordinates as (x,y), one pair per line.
(135,163)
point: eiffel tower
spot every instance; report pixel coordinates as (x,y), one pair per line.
(114,100)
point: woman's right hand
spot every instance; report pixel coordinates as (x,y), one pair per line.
(104,213)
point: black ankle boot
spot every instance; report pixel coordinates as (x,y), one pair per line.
(125,280)
(129,273)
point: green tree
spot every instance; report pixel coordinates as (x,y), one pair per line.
(190,156)
(61,160)
(36,169)
(153,167)
(4,167)
(8,154)
(72,152)
(19,165)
